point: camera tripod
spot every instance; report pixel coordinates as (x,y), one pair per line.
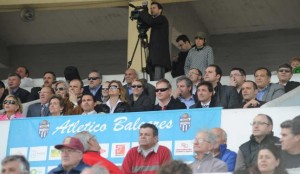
(143,40)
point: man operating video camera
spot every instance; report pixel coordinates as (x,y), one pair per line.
(158,61)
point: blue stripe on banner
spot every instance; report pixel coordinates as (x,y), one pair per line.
(116,133)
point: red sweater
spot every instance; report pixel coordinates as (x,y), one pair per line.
(134,163)
(92,157)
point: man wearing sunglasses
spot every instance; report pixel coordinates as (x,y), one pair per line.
(262,134)
(164,96)
(94,87)
(284,74)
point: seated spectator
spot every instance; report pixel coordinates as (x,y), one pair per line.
(130,75)
(262,134)
(91,155)
(75,92)
(41,108)
(205,92)
(269,161)
(12,108)
(220,150)
(184,45)
(61,89)
(183,91)
(117,102)
(95,169)
(15,164)
(164,96)
(71,157)
(13,83)
(290,144)
(199,56)
(56,106)
(225,96)
(175,167)
(195,75)
(2,95)
(295,62)
(105,95)
(94,87)
(284,74)
(204,161)
(26,81)
(237,78)
(138,100)
(48,78)
(266,91)
(149,155)
(249,92)
(88,103)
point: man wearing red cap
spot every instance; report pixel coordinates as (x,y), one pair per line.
(71,157)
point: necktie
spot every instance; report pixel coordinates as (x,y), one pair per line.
(43,109)
(164,108)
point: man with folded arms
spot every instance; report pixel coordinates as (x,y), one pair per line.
(71,157)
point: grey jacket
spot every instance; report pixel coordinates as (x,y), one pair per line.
(209,164)
(273,91)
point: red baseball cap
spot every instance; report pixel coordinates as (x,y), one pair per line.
(72,143)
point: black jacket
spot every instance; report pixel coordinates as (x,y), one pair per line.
(98,95)
(226,96)
(121,107)
(143,103)
(251,147)
(198,104)
(290,85)
(173,104)
(178,67)
(21,93)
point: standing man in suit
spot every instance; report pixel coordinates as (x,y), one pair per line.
(13,83)
(159,55)
(94,87)
(225,96)
(42,108)
(267,91)
(284,74)
(205,92)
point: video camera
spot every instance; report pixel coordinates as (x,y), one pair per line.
(135,15)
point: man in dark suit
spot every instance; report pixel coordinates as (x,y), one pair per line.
(164,95)
(205,93)
(42,108)
(266,91)
(159,55)
(284,74)
(130,75)
(49,77)
(225,96)
(94,87)
(13,83)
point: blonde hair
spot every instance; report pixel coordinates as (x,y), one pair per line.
(18,102)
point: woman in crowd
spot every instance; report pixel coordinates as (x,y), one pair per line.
(117,102)
(61,89)
(12,108)
(138,100)
(56,105)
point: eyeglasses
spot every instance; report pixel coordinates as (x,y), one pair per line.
(259,123)
(104,89)
(9,102)
(113,87)
(200,140)
(161,89)
(284,70)
(93,78)
(136,86)
(59,89)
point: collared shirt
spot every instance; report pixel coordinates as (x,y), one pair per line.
(161,105)
(205,105)
(188,102)
(146,152)
(110,108)
(261,93)
(129,89)
(94,90)
(89,113)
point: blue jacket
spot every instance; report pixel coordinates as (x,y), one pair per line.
(227,156)
(76,170)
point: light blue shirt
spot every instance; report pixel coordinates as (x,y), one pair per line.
(94,90)
(261,93)
(188,102)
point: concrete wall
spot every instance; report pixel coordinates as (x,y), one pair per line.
(108,57)
(3,55)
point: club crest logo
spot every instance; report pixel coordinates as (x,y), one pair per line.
(44,128)
(185,122)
